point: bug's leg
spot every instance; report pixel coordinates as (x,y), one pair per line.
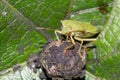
(81,44)
(57,31)
(92,39)
(67,37)
(65,50)
(73,43)
(79,50)
(56,34)
(79,39)
(72,40)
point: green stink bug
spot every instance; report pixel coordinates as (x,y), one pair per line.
(77,30)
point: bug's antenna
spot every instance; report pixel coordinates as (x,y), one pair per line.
(46,35)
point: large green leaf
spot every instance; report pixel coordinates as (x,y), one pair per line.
(18,22)
(107,62)
(19,38)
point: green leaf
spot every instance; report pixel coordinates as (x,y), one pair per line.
(91,12)
(19,37)
(86,4)
(18,21)
(107,61)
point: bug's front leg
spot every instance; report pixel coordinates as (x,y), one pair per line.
(57,36)
(81,44)
(71,38)
(72,41)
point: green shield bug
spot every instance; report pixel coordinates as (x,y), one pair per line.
(76,31)
(79,31)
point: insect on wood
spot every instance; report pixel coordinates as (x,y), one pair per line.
(77,31)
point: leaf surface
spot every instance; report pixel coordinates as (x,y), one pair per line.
(18,21)
(19,38)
